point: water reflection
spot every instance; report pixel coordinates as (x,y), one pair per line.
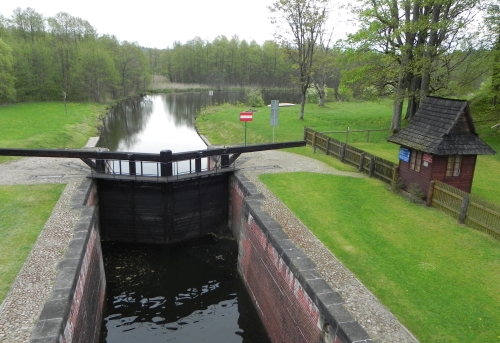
(186,293)
(166,121)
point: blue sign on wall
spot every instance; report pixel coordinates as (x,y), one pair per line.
(404,154)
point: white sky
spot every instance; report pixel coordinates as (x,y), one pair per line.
(157,24)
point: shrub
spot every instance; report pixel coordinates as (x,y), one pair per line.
(254,97)
(416,193)
(397,185)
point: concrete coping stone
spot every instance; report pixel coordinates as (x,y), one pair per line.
(48,330)
(81,196)
(55,311)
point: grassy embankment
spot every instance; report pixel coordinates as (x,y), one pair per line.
(25,209)
(439,278)
(222,126)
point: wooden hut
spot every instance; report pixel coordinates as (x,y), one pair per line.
(440,143)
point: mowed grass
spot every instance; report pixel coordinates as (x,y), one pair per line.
(24,209)
(222,126)
(439,278)
(47,125)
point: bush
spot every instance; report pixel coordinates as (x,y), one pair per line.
(312,96)
(416,193)
(397,185)
(254,97)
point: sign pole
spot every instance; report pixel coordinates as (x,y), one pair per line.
(246,116)
(275,107)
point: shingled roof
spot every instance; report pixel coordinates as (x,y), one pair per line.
(442,127)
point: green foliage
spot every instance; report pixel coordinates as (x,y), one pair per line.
(345,92)
(397,185)
(254,97)
(416,193)
(418,261)
(7,90)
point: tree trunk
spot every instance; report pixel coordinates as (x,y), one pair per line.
(397,109)
(302,105)
(320,88)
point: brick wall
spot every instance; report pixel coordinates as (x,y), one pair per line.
(293,301)
(74,311)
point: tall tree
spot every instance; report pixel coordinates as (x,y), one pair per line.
(416,34)
(493,24)
(299,25)
(7,90)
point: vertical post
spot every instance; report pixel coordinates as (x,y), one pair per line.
(367,136)
(361,162)
(314,139)
(342,152)
(245,133)
(327,145)
(224,160)
(372,166)
(197,162)
(347,135)
(463,209)
(395,174)
(166,163)
(101,166)
(430,193)
(305,133)
(131,167)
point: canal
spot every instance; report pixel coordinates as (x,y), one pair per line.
(188,292)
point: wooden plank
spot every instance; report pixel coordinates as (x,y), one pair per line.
(115,155)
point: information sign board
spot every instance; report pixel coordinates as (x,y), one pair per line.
(404,154)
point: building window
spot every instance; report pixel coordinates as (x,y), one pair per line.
(415,160)
(453,166)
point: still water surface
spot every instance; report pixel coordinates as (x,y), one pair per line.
(186,293)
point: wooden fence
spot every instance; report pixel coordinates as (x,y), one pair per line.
(370,164)
(466,208)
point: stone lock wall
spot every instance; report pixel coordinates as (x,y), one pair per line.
(293,301)
(74,311)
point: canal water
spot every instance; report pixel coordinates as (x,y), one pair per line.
(188,292)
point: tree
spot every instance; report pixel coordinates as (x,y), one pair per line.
(7,80)
(493,24)
(299,24)
(416,34)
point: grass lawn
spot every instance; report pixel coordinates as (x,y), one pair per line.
(47,125)
(221,125)
(439,278)
(24,209)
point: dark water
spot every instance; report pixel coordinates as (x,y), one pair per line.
(190,292)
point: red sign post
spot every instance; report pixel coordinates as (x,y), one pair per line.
(246,116)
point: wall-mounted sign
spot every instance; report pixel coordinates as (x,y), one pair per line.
(427,158)
(404,154)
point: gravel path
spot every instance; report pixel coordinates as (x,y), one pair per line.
(32,286)
(380,324)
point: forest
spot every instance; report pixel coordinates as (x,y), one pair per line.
(405,49)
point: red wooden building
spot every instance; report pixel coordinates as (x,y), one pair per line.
(440,143)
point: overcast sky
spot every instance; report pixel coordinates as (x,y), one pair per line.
(157,24)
